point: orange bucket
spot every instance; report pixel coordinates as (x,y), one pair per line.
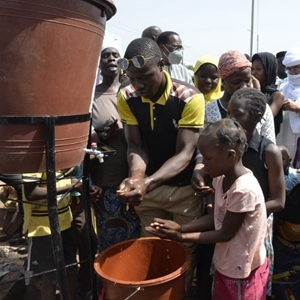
(144,268)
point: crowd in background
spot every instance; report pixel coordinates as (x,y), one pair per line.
(208,157)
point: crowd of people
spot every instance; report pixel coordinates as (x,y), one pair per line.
(207,157)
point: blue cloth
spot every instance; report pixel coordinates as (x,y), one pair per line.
(291,180)
(286,276)
(115,223)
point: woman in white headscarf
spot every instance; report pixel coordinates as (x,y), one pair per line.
(290,128)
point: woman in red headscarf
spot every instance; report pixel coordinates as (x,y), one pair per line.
(235,73)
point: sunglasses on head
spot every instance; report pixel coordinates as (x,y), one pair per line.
(138,61)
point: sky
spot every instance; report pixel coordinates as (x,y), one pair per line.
(212,27)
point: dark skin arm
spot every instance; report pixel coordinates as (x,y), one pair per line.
(198,182)
(276,180)
(133,188)
(194,232)
(110,131)
(138,185)
(185,146)
(277,103)
(291,106)
(35,192)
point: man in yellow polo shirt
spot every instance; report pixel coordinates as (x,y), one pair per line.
(162,118)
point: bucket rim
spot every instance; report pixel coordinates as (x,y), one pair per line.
(109,7)
(144,283)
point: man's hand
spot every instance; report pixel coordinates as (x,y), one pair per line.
(132,190)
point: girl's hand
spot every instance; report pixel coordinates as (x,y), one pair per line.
(166,224)
(205,190)
(163,233)
(198,183)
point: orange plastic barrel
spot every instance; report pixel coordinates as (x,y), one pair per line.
(144,268)
(49,54)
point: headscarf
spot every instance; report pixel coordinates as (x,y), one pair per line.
(232,61)
(106,44)
(207,59)
(110,44)
(292,57)
(269,63)
(292,89)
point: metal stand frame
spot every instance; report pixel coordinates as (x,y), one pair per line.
(50,122)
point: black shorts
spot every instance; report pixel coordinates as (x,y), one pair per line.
(41,255)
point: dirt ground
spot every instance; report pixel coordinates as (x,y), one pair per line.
(18,256)
(13,254)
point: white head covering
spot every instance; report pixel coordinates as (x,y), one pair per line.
(292,89)
(107,43)
(292,57)
(112,44)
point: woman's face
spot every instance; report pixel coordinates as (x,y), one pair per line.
(237,80)
(258,71)
(207,78)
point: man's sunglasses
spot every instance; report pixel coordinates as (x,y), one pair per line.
(138,61)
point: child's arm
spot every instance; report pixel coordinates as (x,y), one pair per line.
(273,159)
(196,231)
(33,191)
(198,180)
(172,230)
(231,224)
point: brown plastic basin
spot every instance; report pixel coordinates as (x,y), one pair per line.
(153,268)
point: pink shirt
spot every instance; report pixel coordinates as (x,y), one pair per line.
(245,251)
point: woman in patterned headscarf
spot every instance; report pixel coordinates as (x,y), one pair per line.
(264,68)
(235,72)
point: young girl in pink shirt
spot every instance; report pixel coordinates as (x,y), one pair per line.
(238,222)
